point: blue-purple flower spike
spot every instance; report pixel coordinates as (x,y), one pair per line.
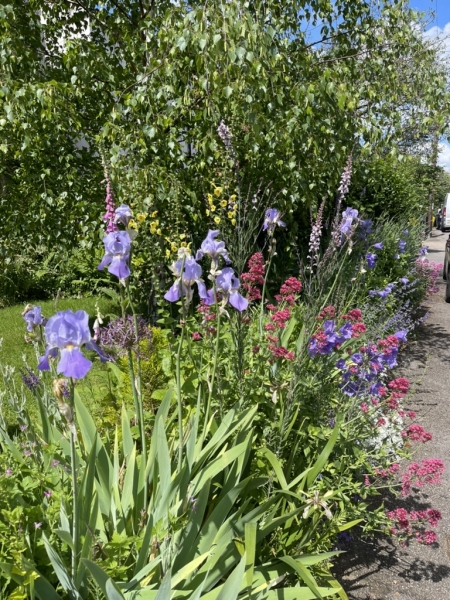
(117,254)
(66,332)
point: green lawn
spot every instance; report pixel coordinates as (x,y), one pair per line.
(14,350)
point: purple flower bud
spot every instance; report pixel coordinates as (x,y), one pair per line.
(33,317)
(371,259)
(378,245)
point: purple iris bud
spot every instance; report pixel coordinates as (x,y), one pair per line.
(357,358)
(66,332)
(378,245)
(33,318)
(123,215)
(341,364)
(423,251)
(117,254)
(183,283)
(401,246)
(212,248)
(371,258)
(227,284)
(347,220)
(272,219)
(401,335)
(346,331)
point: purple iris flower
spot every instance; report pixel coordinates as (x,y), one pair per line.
(401,246)
(272,219)
(401,335)
(213,249)
(378,245)
(347,219)
(66,332)
(371,258)
(341,364)
(123,215)
(228,284)
(357,358)
(346,331)
(366,226)
(423,251)
(183,283)
(404,280)
(117,254)
(33,318)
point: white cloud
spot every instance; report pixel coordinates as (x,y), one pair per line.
(440,34)
(444,157)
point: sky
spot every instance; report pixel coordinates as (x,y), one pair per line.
(439,25)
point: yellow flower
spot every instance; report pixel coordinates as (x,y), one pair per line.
(233,222)
(210,198)
(167,253)
(231,214)
(182,236)
(218,192)
(174,247)
(141,217)
(154,213)
(213,208)
(183,245)
(223,203)
(217,220)
(132,223)
(158,231)
(207,212)
(233,198)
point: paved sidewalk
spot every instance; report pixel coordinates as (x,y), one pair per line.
(383,570)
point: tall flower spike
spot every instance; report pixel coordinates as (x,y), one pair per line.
(272,219)
(227,284)
(66,332)
(117,254)
(183,283)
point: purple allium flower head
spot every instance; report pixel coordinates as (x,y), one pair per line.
(401,246)
(117,254)
(227,285)
(212,248)
(30,379)
(123,215)
(272,219)
(348,216)
(370,259)
(33,317)
(183,283)
(66,332)
(120,335)
(378,245)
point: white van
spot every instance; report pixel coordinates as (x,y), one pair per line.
(445,214)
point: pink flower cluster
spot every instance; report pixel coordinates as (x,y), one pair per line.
(358,329)
(430,272)
(400,385)
(110,214)
(353,315)
(407,524)
(254,277)
(329,312)
(289,290)
(416,433)
(428,472)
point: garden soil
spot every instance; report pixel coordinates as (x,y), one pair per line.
(382,569)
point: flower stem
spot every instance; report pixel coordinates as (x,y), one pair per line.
(216,357)
(74,482)
(261,314)
(179,401)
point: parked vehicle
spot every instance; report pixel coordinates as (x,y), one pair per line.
(446,270)
(445,214)
(438,219)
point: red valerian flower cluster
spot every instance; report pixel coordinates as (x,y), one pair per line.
(416,433)
(413,523)
(428,472)
(254,277)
